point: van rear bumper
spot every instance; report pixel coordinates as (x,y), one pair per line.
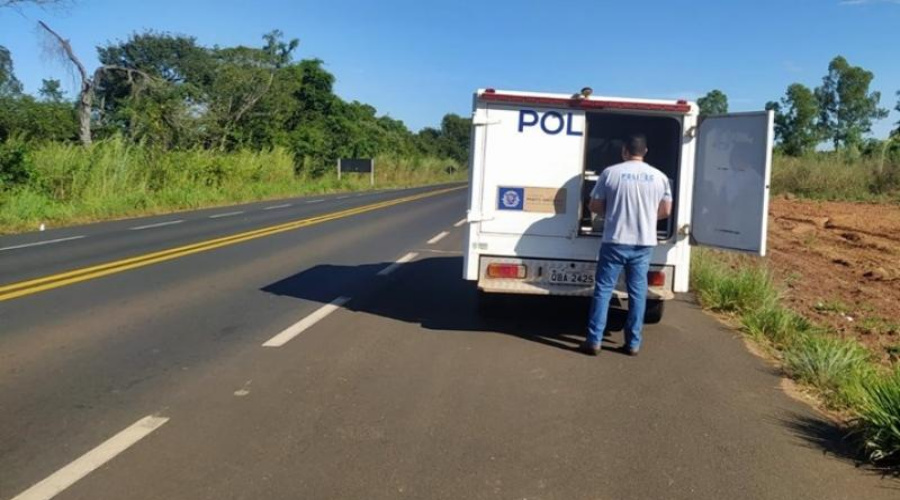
(554,277)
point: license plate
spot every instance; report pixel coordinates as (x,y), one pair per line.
(575,277)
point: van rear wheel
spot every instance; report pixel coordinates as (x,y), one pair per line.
(654,312)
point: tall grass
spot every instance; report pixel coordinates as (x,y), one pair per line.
(830,176)
(841,371)
(838,368)
(115,178)
(730,284)
(879,419)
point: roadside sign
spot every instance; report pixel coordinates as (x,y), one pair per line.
(357,165)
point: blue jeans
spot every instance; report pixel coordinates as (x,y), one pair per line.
(636,262)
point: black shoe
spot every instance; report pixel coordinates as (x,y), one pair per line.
(630,350)
(589,349)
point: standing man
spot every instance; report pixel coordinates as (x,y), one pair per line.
(632,196)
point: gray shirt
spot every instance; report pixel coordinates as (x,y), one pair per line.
(633,191)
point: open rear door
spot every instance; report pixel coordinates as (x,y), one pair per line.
(731,182)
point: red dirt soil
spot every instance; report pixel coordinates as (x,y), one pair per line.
(841,265)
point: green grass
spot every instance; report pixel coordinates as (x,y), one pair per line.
(730,284)
(775,324)
(838,368)
(841,371)
(830,176)
(115,178)
(879,419)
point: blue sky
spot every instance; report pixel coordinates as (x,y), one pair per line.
(416,60)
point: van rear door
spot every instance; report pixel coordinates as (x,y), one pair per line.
(731,182)
(532,169)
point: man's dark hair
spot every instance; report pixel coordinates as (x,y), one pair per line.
(636,145)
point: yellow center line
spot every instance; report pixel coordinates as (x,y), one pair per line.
(29,287)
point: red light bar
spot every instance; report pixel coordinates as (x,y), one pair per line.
(558,102)
(506,271)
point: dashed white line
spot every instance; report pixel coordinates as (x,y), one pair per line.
(343,197)
(39,243)
(315,201)
(92,460)
(460,223)
(158,224)
(438,237)
(299,327)
(226,214)
(274,207)
(402,260)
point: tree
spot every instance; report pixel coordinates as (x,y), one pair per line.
(279,52)
(714,102)
(9,84)
(897,132)
(88,83)
(846,107)
(51,90)
(455,135)
(795,120)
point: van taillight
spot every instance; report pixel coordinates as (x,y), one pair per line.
(656,278)
(508,271)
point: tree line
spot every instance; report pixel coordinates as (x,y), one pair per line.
(840,111)
(168,91)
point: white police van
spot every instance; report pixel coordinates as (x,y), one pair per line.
(535,158)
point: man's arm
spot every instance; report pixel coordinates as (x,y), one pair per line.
(598,196)
(664,210)
(665,206)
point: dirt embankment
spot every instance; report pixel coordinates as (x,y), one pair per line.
(841,264)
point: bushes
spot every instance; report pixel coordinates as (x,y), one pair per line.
(60,182)
(15,167)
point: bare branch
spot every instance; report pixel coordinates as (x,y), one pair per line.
(130,73)
(252,100)
(67,49)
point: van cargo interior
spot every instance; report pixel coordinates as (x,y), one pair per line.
(605,135)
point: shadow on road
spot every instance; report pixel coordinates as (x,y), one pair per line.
(835,440)
(431,292)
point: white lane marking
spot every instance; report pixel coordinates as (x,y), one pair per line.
(39,243)
(298,328)
(226,214)
(361,194)
(343,197)
(158,224)
(92,460)
(315,201)
(460,223)
(402,260)
(273,207)
(438,237)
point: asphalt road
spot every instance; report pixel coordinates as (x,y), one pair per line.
(205,375)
